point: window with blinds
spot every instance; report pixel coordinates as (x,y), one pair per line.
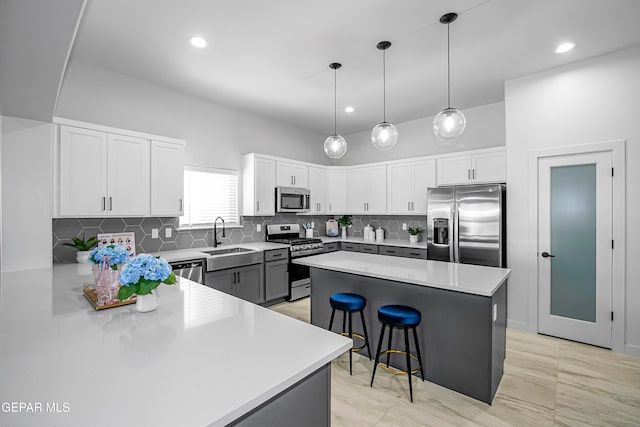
(208,194)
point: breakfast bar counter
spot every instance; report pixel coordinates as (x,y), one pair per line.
(463,329)
(202,358)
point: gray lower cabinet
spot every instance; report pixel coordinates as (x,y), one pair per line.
(390,250)
(242,282)
(414,253)
(348,246)
(331,247)
(369,249)
(276,279)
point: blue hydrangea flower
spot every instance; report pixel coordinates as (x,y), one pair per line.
(146,266)
(117,254)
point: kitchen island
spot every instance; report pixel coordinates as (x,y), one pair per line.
(463,328)
(203,358)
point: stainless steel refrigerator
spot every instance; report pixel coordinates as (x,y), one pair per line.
(467,224)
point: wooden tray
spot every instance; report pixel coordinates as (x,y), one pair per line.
(90,293)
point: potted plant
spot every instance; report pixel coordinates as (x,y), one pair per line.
(344,221)
(83,246)
(413,234)
(141,276)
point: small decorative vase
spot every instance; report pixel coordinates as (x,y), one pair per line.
(148,302)
(82,257)
(344,232)
(107,285)
(413,238)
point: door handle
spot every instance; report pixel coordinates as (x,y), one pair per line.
(258,206)
(469,174)
(547,255)
(238,276)
(104,203)
(413,208)
(110,203)
(473,173)
(234,277)
(181,208)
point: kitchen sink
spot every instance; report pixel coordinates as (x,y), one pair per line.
(225,251)
(223,258)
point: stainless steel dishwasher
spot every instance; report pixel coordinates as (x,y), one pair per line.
(192,269)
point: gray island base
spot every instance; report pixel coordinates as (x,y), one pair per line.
(462,336)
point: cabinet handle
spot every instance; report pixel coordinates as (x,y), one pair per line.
(181,208)
(234,277)
(258,206)
(474,173)
(408,206)
(238,277)
(110,203)
(413,207)
(329,207)
(468,173)
(104,203)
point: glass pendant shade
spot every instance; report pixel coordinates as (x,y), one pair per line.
(449,124)
(335,146)
(384,136)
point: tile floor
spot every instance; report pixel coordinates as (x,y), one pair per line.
(546,382)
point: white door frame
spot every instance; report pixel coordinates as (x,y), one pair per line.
(618,285)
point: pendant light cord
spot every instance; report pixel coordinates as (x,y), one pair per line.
(448,70)
(384,86)
(335,101)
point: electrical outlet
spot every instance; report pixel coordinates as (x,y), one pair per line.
(259,228)
(154,233)
(167,232)
(404,226)
(313,224)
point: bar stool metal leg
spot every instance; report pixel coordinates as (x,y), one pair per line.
(408,353)
(389,344)
(415,339)
(375,363)
(366,336)
(333,313)
(350,350)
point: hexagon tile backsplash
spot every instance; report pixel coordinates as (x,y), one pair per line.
(64,229)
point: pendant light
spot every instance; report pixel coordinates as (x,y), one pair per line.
(335,146)
(385,135)
(450,122)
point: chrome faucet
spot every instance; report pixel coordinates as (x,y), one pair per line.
(215,231)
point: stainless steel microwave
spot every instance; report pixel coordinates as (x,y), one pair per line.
(291,199)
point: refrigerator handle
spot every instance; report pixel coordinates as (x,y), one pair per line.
(455,255)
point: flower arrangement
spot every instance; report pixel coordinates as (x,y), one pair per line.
(116,254)
(143,274)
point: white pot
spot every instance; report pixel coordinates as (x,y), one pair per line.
(82,257)
(148,302)
(344,232)
(413,238)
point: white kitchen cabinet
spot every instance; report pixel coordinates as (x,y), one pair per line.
(103,174)
(336,191)
(367,190)
(258,186)
(473,168)
(407,185)
(318,189)
(290,174)
(167,179)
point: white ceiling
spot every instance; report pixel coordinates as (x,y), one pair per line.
(271,57)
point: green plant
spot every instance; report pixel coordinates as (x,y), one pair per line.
(82,244)
(345,220)
(414,231)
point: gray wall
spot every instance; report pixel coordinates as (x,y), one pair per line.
(485,128)
(67,228)
(217,136)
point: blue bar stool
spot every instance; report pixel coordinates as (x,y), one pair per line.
(405,317)
(350,303)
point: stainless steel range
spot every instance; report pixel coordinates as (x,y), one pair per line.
(289,234)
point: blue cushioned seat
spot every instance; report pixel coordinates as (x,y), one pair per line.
(347,302)
(399,315)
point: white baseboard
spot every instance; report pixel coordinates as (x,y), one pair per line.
(518,324)
(631,349)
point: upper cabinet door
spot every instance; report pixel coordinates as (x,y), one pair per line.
(454,170)
(83,172)
(167,179)
(128,176)
(265,187)
(318,189)
(424,176)
(399,188)
(376,190)
(337,191)
(292,175)
(490,167)
(357,190)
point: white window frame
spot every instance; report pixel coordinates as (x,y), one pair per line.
(229,223)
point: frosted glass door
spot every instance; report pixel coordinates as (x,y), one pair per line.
(574,253)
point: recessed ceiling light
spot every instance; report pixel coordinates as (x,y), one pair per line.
(197,41)
(565,47)
(349,109)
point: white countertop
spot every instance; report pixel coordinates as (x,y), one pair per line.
(470,279)
(385,242)
(203,358)
(199,253)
